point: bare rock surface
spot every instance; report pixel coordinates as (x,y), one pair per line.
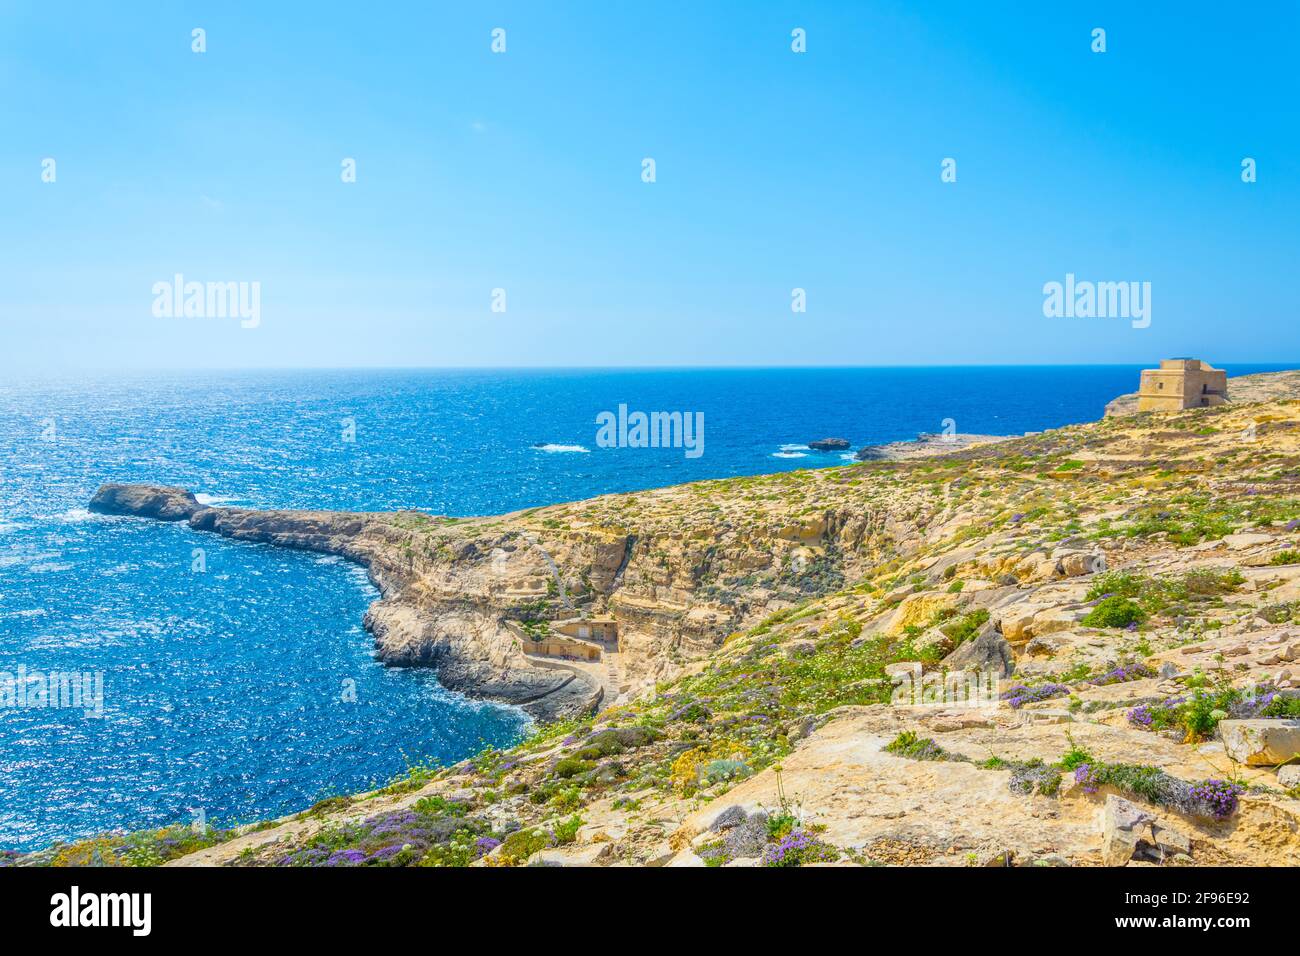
(1265,743)
(925,445)
(149,501)
(1105,574)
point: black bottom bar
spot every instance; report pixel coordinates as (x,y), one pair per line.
(332,907)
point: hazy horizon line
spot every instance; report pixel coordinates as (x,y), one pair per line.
(146,369)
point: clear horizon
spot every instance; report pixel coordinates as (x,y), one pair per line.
(93,370)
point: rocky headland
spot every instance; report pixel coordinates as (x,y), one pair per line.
(925,445)
(444,601)
(1132,584)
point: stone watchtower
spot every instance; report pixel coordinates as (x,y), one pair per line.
(1182,383)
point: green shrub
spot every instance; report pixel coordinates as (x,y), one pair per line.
(522,844)
(967,626)
(1158,594)
(1149,783)
(572,766)
(1075,756)
(613,741)
(567,831)
(909,745)
(720,770)
(568,798)
(437,806)
(1033,776)
(1114,611)
(328,805)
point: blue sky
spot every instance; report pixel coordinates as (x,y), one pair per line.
(522,171)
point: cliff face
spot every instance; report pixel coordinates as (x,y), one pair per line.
(1132,586)
(679,569)
(429,614)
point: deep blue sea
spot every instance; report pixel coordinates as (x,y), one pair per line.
(224,688)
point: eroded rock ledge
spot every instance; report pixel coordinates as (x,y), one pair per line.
(1124,572)
(677,570)
(413,625)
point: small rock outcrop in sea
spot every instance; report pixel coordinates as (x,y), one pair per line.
(147,501)
(829,444)
(461,632)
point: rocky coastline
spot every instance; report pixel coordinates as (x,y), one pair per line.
(926,445)
(412,625)
(1131,585)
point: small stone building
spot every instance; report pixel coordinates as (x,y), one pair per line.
(588,628)
(1182,383)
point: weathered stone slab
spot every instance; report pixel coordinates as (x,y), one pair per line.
(1124,825)
(1262,742)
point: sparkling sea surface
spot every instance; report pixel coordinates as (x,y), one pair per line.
(225,689)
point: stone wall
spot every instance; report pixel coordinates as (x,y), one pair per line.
(1181,383)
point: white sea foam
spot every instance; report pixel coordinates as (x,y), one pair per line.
(788,454)
(214,499)
(563,448)
(27,558)
(793,447)
(25,612)
(358,576)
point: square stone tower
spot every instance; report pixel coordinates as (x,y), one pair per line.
(1182,383)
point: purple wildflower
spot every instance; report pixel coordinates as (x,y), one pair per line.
(1085,775)
(1219,797)
(1122,674)
(1254,702)
(776,853)
(394,822)
(1145,715)
(1141,715)
(346,858)
(1019,695)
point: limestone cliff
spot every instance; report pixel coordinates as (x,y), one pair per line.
(1132,586)
(676,570)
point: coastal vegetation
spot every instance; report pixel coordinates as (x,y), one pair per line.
(1132,582)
